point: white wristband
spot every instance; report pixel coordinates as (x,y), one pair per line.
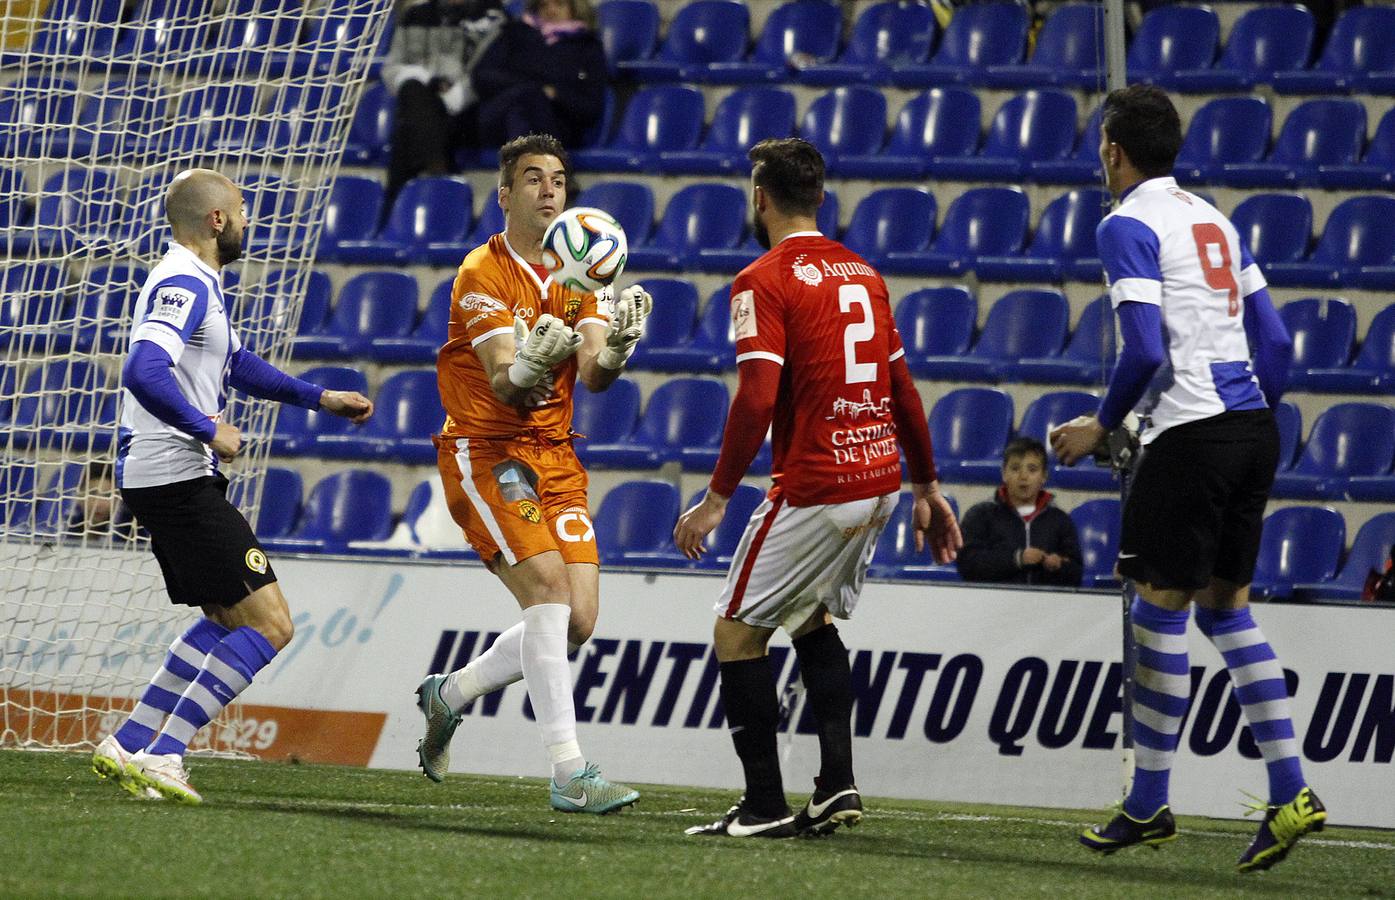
(523,375)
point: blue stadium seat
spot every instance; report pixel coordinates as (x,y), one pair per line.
(721,544)
(629,30)
(887,220)
(1323,332)
(796,31)
(1022,324)
(1097,526)
(699,218)
(630,202)
(1081,165)
(74,29)
(426,337)
(936,323)
(271,305)
(492,222)
(1057,408)
(1376,168)
(737,258)
(299,119)
(1358,45)
(117,121)
(1264,41)
(657,118)
(50,510)
(343,507)
(162,33)
(1088,356)
(846,121)
(16,483)
(1316,133)
(605,418)
(370,305)
(934,126)
(14,210)
(77,209)
(370,133)
(1357,247)
(253,38)
(1226,130)
(1300,544)
(1275,227)
(68,403)
(1373,370)
(31,296)
(983,221)
(1369,550)
(969,428)
(634,525)
(1348,455)
(106,298)
(703,32)
(682,421)
(352,215)
(297,428)
(895,555)
(207,118)
(1289,419)
(1032,126)
(328,31)
(886,34)
(429,222)
(1171,39)
(743,118)
(282,490)
(1068,52)
(713,347)
(407,411)
(1063,245)
(979,36)
(669,327)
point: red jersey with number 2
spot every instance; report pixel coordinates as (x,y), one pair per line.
(820,311)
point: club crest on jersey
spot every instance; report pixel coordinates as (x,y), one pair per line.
(806,272)
(571,310)
(529,512)
(256,561)
(743,314)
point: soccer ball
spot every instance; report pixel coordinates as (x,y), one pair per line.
(585,248)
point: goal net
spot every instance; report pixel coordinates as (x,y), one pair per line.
(102,102)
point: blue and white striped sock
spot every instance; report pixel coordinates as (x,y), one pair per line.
(1162,688)
(1258,682)
(227,671)
(181,666)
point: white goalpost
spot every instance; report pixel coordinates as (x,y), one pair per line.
(99,107)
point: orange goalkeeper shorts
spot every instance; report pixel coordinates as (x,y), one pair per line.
(517,497)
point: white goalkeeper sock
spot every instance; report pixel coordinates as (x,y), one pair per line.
(498,667)
(549,680)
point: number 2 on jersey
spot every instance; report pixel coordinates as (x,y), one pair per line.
(1218,278)
(854,372)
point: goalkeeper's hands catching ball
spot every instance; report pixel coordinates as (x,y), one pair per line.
(627,317)
(547,344)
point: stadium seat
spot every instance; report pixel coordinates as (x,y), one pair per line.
(1376,168)
(1172,39)
(982,221)
(426,337)
(1300,544)
(268,305)
(162,33)
(1226,130)
(297,428)
(1068,52)
(713,347)
(979,36)
(1022,324)
(682,421)
(346,506)
(370,305)
(370,132)
(629,30)
(352,215)
(934,126)
(407,411)
(68,403)
(1357,247)
(969,428)
(1034,125)
(896,219)
(895,555)
(1080,166)
(15,211)
(118,120)
(721,544)
(1088,357)
(106,299)
(795,33)
(492,222)
(331,28)
(1057,408)
(608,417)
(886,34)
(669,327)
(77,209)
(737,258)
(208,117)
(1316,133)
(73,29)
(1063,245)
(282,490)
(1289,419)
(1097,526)
(1358,46)
(1264,41)
(743,118)
(429,223)
(51,508)
(1373,370)
(17,480)
(1348,455)
(846,121)
(657,118)
(1274,227)
(299,120)
(699,218)
(1323,332)
(936,323)
(703,32)
(630,202)
(634,525)
(253,38)
(1369,550)
(32,295)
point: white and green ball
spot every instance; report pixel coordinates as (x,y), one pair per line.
(585,248)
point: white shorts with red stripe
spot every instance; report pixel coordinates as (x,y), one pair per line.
(794,558)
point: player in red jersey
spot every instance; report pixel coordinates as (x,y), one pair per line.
(820,361)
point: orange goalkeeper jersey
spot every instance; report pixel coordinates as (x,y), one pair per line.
(493,285)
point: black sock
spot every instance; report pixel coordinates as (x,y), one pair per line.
(753,714)
(823,664)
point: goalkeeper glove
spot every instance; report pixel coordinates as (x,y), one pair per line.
(549,342)
(626,327)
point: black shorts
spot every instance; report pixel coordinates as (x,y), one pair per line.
(1196,506)
(205,547)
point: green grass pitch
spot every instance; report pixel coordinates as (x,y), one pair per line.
(270,829)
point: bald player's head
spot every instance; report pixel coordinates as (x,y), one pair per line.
(203,205)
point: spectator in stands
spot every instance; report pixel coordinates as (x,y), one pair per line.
(1380,584)
(544,73)
(434,50)
(1019,537)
